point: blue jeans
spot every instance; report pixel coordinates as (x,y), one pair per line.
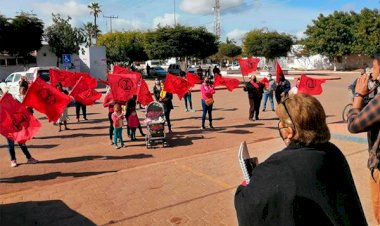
(11,149)
(187,98)
(270,96)
(117,133)
(206,109)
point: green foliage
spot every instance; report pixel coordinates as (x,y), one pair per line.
(15,32)
(344,33)
(62,38)
(229,50)
(89,31)
(95,10)
(267,44)
(180,41)
(122,46)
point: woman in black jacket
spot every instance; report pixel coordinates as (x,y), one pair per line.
(307,183)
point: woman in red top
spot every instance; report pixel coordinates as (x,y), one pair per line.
(109,102)
(133,123)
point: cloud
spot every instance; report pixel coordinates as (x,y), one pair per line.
(166,20)
(126,25)
(206,7)
(237,35)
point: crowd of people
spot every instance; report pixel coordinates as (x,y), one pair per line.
(309,182)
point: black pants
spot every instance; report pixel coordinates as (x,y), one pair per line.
(111,124)
(133,133)
(254,106)
(167,118)
(11,149)
(78,106)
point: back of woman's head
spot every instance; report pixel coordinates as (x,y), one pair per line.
(306,116)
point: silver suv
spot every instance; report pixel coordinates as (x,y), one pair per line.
(174,69)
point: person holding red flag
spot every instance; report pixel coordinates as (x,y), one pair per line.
(109,103)
(282,88)
(65,114)
(207,101)
(166,99)
(268,92)
(254,90)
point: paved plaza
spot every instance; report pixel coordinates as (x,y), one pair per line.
(82,180)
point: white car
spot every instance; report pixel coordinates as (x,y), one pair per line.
(234,67)
(11,83)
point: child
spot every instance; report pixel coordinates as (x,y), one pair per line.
(133,123)
(65,115)
(117,119)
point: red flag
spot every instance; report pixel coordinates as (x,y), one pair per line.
(310,86)
(230,83)
(120,70)
(248,65)
(123,86)
(144,96)
(66,78)
(176,85)
(83,94)
(265,81)
(193,78)
(46,99)
(106,83)
(90,81)
(16,122)
(279,72)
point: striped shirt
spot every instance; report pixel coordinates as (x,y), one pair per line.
(367,120)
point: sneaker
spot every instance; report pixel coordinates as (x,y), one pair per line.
(264,109)
(211,126)
(192,110)
(32,161)
(203,128)
(14,163)
(187,110)
(122,146)
(111,142)
(85,119)
(117,147)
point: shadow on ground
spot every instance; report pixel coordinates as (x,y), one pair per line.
(49,176)
(95,157)
(52,212)
(63,135)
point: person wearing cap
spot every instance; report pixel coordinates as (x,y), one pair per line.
(268,92)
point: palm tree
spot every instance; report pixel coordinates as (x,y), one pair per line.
(89,31)
(95,10)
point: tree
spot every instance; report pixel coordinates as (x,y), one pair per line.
(331,35)
(95,10)
(366,32)
(23,27)
(267,44)
(89,31)
(62,38)
(122,46)
(229,50)
(180,41)
(4,33)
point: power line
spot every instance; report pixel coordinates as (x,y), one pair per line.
(111,17)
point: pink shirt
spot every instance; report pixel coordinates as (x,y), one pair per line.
(207,91)
(117,120)
(133,121)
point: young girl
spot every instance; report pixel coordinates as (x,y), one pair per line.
(133,123)
(117,119)
(65,115)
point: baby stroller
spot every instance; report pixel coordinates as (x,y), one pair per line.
(155,124)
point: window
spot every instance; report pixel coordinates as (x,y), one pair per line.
(9,78)
(17,77)
(44,74)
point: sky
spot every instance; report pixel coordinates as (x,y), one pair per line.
(237,16)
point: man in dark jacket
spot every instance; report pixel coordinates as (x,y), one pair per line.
(255,91)
(282,89)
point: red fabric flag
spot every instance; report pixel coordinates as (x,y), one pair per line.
(264,81)
(176,85)
(248,65)
(230,83)
(16,122)
(123,86)
(83,94)
(46,99)
(310,86)
(120,70)
(66,78)
(144,96)
(193,78)
(90,81)
(279,72)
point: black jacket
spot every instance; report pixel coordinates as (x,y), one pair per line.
(168,103)
(301,186)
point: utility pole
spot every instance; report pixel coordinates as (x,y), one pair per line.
(175,22)
(111,17)
(217,18)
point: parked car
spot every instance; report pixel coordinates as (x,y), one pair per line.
(11,83)
(234,66)
(174,69)
(157,72)
(43,72)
